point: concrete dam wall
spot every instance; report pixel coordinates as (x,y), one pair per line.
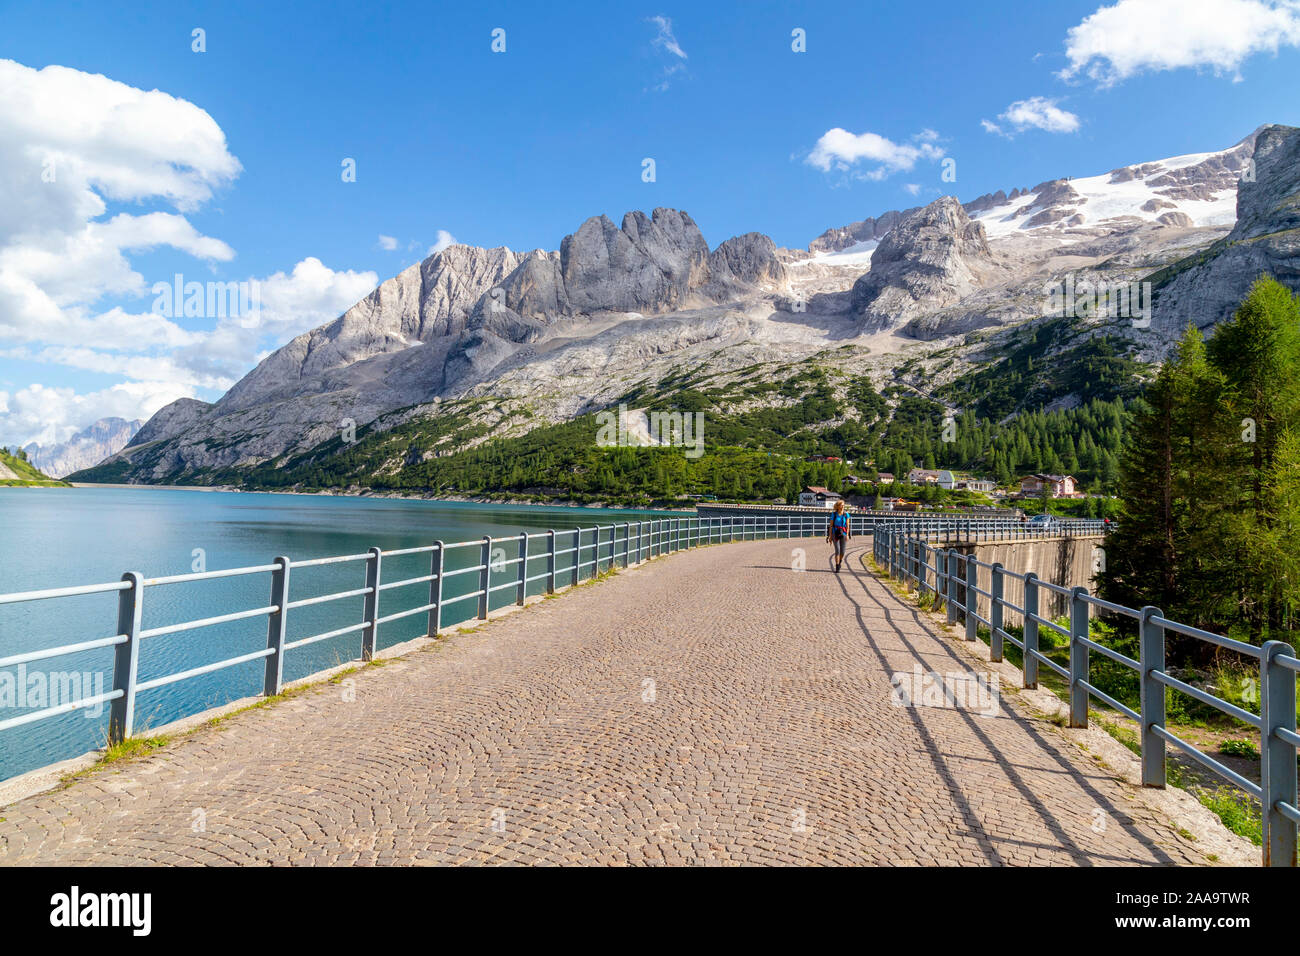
(1065,561)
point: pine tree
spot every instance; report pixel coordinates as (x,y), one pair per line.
(1258,352)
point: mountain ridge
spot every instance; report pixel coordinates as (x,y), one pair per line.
(547,336)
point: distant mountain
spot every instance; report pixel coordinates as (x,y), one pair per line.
(87,447)
(483,343)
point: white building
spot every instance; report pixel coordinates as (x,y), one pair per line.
(816,496)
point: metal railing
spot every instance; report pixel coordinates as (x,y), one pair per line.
(953,580)
(557,558)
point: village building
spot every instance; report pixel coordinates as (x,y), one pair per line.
(1048,486)
(928,476)
(816,496)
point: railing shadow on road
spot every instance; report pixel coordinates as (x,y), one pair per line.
(952,578)
(1026,725)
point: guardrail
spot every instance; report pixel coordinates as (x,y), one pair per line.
(558,558)
(953,580)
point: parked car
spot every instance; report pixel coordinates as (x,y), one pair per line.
(1044,523)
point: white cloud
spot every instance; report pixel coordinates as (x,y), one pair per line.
(445,239)
(1037,112)
(912,188)
(50,415)
(387,243)
(841,150)
(665,40)
(163,362)
(673,56)
(1134,36)
(70,144)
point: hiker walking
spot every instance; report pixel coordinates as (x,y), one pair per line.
(838,533)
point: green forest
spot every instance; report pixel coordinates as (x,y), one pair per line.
(1210,478)
(753,455)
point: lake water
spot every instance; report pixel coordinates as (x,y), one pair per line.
(65,537)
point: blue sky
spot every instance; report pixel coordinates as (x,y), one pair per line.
(516,148)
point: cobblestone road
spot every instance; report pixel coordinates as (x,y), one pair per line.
(709,707)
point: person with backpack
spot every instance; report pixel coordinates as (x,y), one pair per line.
(838,533)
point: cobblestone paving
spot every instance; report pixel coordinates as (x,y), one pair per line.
(709,707)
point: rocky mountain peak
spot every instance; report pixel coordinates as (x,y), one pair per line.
(928,260)
(1269,201)
(1264,241)
(87,447)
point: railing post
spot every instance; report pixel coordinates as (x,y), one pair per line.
(126,658)
(1151,661)
(997,582)
(1078,657)
(972,598)
(550,561)
(437,562)
(952,586)
(627,543)
(484,576)
(1277,756)
(523,567)
(1029,673)
(577,556)
(273,677)
(369,635)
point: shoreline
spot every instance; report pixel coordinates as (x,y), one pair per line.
(412,496)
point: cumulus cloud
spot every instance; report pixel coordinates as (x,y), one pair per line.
(840,150)
(1037,112)
(1135,36)
(162,361)
(445,239)
(387,243)
(72,143)
(51,415)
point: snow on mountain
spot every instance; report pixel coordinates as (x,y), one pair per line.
(1196,190)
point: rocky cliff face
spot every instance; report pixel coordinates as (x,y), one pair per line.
(87,447)
(424,302)
(1205,288)
(929,260)
(459,319)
